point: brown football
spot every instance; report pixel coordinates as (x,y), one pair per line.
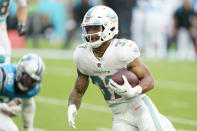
(131,77)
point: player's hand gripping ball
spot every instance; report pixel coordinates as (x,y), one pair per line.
(131,78)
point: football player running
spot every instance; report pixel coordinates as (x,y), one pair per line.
(5,47)
(99,58)
(19,84)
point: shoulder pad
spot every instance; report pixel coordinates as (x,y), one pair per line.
(127,50)
(80,55)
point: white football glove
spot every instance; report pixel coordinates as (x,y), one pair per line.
(126,89)
(72,112)
(12,108)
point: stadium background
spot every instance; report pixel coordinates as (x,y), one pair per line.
(176,80)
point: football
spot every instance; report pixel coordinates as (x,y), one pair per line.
(131,77)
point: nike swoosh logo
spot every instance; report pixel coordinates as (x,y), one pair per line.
(137,107)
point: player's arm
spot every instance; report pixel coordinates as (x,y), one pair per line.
(146,81)
(76,95)
(143,73)
(28,113)
(79,89)
(21,16)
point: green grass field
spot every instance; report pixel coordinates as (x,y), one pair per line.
(175,96)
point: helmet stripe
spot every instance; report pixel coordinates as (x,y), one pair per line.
(88,15)
(39,69)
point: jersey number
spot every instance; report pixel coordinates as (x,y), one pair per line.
(4,4)
(107,95)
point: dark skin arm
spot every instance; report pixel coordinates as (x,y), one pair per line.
(143,73)
(79,89)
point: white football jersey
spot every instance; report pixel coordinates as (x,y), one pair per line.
(118,55)
(138,113)
(5,47)
(5,5)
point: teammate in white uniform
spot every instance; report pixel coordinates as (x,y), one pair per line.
(5,54)
(99,58)
(5,47)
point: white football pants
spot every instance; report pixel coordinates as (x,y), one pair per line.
(7,124)
(141,116)
(5,46)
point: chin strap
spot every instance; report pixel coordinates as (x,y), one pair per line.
(21,87)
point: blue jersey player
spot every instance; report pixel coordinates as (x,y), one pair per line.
(19,83)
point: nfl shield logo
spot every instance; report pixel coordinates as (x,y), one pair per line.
(99,65)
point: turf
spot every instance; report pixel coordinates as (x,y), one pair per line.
(174,95)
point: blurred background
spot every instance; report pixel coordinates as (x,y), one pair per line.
(165,31)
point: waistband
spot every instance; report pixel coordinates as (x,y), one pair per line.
(123,106)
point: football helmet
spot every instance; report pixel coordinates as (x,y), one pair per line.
(29,71)
(100,16)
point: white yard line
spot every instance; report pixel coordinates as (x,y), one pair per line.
(103,129)
(59,102)
(183,130)
(180,104)
(104,109)
(39,129)
(109,129)
(177,85)
(183,121)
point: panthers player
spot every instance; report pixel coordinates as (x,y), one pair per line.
(19,84)
(99,58)
(5,47)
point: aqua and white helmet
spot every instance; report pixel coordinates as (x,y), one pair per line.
(29,71)
(106,18)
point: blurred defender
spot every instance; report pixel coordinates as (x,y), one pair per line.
(99,58)
(5,47)
(19,84)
